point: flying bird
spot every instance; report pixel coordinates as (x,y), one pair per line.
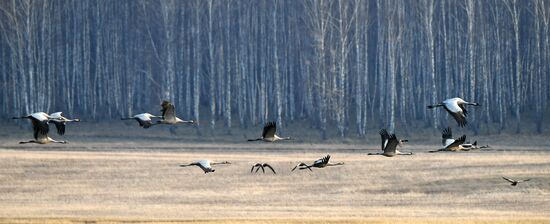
(451,144)
(169,114)
(60,122)
(268,134)
(205,165)
(56,118)
(389,145)
(262,166)
(320,163)
(40,116)
(144,119)
(40,131)
(455,107)
(515,182)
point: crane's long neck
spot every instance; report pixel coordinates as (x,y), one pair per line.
(282,138)
(178,120)
(31,141)
(335,164)
(55,141)
(404,153)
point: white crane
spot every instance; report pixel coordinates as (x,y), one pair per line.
(205,165)
(60,121)
(144,119)
(169,114)
(40,116)
(268,134)
(320,163)
(40,130)
(262,165)
(455,107)
(389,145)
(56,118)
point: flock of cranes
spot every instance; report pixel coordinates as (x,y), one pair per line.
(454,106)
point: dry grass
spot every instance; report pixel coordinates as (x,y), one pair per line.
(131,179)
(275,221)
(145,185)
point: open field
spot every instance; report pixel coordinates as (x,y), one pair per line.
(43,182)
(137,179)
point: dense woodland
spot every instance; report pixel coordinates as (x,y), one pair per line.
(346,65)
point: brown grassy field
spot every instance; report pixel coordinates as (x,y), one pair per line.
(137,180)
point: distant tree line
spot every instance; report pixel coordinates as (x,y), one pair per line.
(347,64)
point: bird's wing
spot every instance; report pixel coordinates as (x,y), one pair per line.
(447,136)
(168,110)
(270,167)
(252,169)
(391,147)
(59,125)
(463,109)
(384,136)
(204,163)
(457,142)
(40,128)
(460,118)
(56,115)
(447,142)
(40,116)
(451,105)
(143,117)
(299,164)
(509,180)
(269,130)
(323,160)
(447,133)
(145,124)
(144,120)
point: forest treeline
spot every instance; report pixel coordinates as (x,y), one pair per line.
(337,64)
